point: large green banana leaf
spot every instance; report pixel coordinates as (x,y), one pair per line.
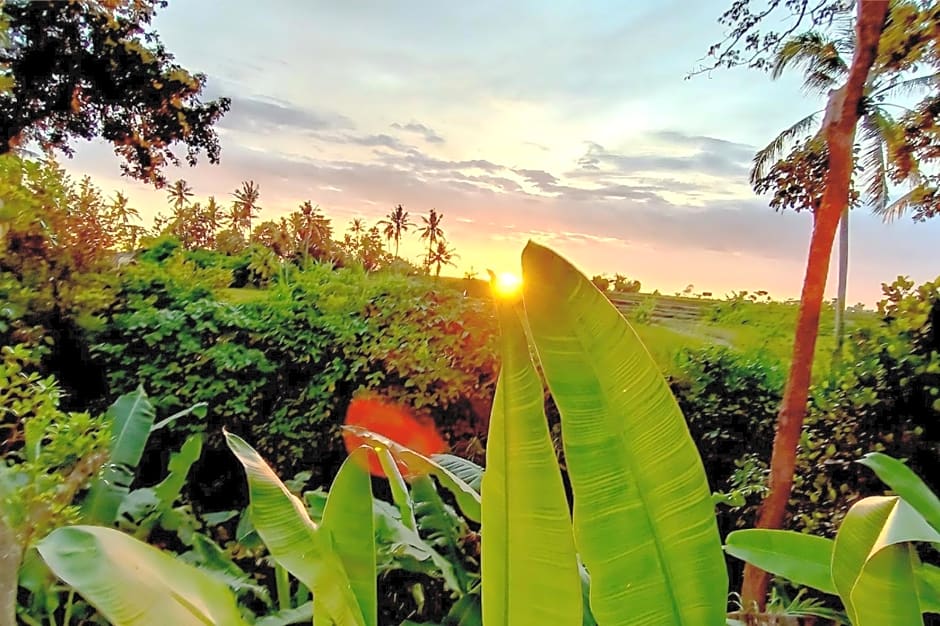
(874,563)
(908,485)
(281,521)
(529,566)
(348,520)
(134,584)
(643,518)
(396,483)
(807,560)
(131,417)
(800,558)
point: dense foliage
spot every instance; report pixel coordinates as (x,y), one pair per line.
(282,366)
(884,398)
(49,454)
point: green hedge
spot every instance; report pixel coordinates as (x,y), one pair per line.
(281,365)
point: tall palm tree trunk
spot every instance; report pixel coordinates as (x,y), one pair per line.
(843,281)
(842,115)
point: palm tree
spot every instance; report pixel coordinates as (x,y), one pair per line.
(213,214)
(884,49)
(388,231)
(245,207)
(179,195)
(396,223)
(442,255)
(357,227)
(311,229)
(275,236)
(823,57)
(432,231)
(121,214)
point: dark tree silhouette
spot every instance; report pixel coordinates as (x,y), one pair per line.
(396,223)
(81,70)
(245,207)
(432,231)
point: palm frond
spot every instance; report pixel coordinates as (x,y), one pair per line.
(797,50)
(874,163)
(817,82)
(908,87)
(775,149)
(818,55)
(898,208)
(903,164)
(844,40)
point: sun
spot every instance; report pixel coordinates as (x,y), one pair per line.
(507,284)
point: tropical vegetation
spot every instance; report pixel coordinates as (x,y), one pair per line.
(890,44)
(234,416)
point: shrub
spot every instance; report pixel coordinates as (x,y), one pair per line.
(642,313)
(282,367)
(883,397)
(730,400)
(623,284)
(601,282)
(48,454)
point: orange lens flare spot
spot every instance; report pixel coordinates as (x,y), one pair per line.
(394,422)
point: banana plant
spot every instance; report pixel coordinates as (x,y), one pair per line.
(529,563)
(643,524)
(643,519)
(131,421)
(468,498)
(335,559)
(134,584)
(873,564)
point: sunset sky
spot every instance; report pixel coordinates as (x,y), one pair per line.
(568,122)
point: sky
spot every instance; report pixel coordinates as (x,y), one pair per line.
(570,123)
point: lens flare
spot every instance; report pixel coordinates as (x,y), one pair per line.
(394,422)
(507,284)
